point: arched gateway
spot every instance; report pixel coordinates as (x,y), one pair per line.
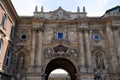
(81,45)
(63,64)
(31,47)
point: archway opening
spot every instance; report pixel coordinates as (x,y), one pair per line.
(59,74)
(59,71)
(61,63)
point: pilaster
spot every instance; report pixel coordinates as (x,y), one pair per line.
(33,47)
(39,49)
(88,51)
(115,30)
(39,43)
(110,44)
(82,56)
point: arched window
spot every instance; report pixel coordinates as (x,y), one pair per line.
(1,44)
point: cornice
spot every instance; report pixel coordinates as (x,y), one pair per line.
(108,19)
(44,21)
(89,20)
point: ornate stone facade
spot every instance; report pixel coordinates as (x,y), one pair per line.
(88,48)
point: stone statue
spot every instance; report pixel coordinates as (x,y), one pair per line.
(78,9)
(41,8)
(84,9)
(74,52)
(99,62)
(49,51)
(36,9)
(20,63)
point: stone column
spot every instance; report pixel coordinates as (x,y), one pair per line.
(110,45)
(117,39)
(39,50)
(82,56)
(33,47)
(40,47)
(116,36)
(88,50)
(117,45)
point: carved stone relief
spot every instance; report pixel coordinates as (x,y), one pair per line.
(60,14)
(48,35)
(99,57)
(60,51)
(20,65)
(99,61)
(72,36)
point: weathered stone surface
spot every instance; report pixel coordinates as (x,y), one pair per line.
(87,47)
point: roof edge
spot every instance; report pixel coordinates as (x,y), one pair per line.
(118,6)
(11,10)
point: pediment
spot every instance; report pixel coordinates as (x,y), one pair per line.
(60,13)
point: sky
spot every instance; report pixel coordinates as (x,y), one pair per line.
(59,71)
(93,7)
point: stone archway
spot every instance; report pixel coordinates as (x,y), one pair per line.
(63,64)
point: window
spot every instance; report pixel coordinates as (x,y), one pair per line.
(4,20)
(8,58)
(23,37)
(96,37)
(1,43)
(60,35)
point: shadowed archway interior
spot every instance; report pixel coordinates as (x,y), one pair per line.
(63,64)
